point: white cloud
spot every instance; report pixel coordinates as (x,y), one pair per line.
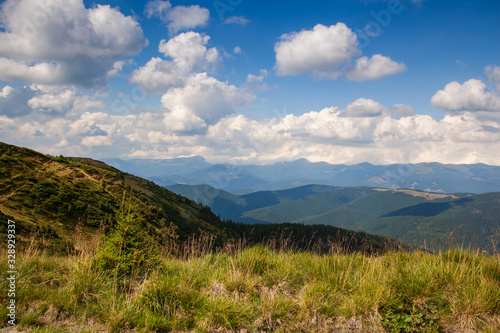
(327,135)
(58,103)
(157,8)
(42,73)
(177,18)
(187,17)
(257,78)
(237,50)
(320,51)
(328,52)
(117,68)
(363,107)
(45,100)
(374,68)
(493,75)
(469,96)
(98,140)
(202,101)
(240,20)
(6,91)
(84,103)
(158,75)
(330,136)
(189,54)
(62,42)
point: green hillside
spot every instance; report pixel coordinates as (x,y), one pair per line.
(231,207)
(417,218)
(365,208)
(470,221)
(310,205)
(49,196)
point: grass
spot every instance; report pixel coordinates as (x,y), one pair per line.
(261,289)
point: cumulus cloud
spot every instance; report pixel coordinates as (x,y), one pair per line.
(62,42)
(42,73)
(58,103)
(374,68)
(158,75)
(192,99)
(469,96)
(46,100)
(202,101)
(177,18)
(363,107)
(84,103)
(328,52)
(321,50)
(188,54)
(326,135)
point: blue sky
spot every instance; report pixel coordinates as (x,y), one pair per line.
(253,82)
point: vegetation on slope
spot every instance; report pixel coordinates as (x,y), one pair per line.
(258,289)
(472,221)
(49,196)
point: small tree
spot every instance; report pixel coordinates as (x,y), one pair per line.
(127,249)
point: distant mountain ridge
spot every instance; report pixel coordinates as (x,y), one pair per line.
(417,217)
(433,177)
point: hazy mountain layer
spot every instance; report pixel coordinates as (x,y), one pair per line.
(436,177)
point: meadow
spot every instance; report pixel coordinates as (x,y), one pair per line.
(254,289)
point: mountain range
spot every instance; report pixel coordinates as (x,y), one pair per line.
(416,217)
(243,179)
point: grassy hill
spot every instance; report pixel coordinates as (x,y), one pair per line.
(49,196)
(260,290)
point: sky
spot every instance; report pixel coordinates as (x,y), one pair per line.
(253,82)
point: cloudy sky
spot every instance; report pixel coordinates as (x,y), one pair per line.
(345,81)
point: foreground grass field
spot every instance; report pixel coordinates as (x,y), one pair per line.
(260,290)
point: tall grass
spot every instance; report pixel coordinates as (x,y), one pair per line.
(260,288)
